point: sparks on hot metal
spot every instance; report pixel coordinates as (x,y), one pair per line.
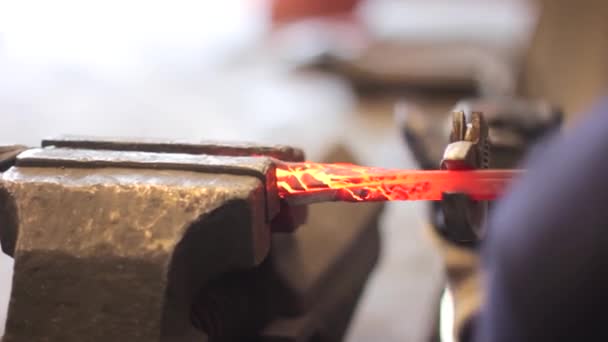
(307,182)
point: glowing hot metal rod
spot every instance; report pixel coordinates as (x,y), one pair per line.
(306,182)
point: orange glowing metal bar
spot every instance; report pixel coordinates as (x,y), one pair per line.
(306,182)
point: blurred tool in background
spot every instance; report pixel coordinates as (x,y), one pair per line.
(290,10)
(436,44)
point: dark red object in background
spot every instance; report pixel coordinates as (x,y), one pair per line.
(291,10)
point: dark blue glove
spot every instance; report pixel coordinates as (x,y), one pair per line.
(546,253)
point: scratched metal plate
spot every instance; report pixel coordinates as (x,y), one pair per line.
(235,149)
(259,167)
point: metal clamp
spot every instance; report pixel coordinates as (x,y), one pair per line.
(469,148)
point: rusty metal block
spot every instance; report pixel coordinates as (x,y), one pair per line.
(116,244)
(169,243)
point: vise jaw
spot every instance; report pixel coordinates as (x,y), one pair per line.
(131,230)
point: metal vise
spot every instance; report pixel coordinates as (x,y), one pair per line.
(171,241)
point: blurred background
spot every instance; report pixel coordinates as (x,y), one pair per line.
(308,73)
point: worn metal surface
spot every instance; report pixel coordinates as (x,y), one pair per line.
(8,154)
(259,167)
(118,244)
(160,246)
(120,253)
(282,152)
